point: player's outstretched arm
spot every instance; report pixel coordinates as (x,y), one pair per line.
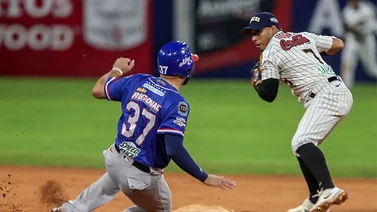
(178,153)
(121,66)
(337,45)
(219,181)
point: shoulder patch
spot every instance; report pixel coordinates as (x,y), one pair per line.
(183,108)
(180,121)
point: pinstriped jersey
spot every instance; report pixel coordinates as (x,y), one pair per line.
(294,58)
(362,17)
(150,107)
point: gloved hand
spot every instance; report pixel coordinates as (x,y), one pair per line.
(256,75)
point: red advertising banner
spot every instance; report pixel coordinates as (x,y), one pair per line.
(217,30)
(73,37)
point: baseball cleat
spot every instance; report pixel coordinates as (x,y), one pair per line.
(56,210)
(329,197)
(304,207)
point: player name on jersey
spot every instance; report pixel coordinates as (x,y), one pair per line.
(296,40)
(147,100)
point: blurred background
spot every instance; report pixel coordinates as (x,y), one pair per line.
(53,51)
(82,38)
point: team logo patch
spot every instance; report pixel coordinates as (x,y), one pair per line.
(185,61)
(183,108)
(129,150)
(256,19)
(180,121)
(141,90)
(274,20)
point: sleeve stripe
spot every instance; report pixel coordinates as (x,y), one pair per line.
(106,88)
(167,130)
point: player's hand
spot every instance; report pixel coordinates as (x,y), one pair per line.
(256,75)
(220,181)
(124,64)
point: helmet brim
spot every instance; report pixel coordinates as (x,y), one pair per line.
(194,57)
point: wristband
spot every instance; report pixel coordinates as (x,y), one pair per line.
(119,70)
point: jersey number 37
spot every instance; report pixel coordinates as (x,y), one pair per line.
(133,122)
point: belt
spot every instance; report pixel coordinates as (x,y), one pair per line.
(330,79)
(136,164)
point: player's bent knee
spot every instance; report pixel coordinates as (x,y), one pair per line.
(298,143)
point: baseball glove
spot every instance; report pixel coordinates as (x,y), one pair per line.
(256,74)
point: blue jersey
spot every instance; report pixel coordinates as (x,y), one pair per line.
(151,107)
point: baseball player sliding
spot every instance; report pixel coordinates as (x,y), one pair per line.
(295,59)
(150,133)
(360,26)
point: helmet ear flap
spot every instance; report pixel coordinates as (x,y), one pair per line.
(187,79)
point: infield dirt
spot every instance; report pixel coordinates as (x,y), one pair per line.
(35,189)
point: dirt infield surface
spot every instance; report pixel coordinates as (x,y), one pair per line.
(38,189)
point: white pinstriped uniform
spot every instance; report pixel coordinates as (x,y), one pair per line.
(303,69)
(361,47)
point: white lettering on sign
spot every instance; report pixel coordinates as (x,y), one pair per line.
(209,8)
(19,8)
(38,37)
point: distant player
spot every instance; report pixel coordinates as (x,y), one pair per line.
(360,42)
(294,58)
(150,133)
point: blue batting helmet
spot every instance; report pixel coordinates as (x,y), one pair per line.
(175,59)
